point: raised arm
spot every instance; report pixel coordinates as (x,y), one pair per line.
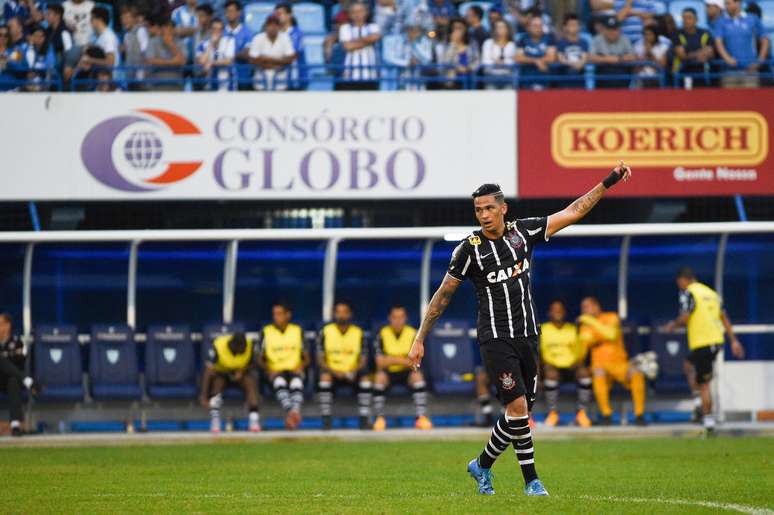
(437,306)
(581,206)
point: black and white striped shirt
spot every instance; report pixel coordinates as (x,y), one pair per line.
(360,64)
(500,271)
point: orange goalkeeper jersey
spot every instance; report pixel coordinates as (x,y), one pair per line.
(603,337)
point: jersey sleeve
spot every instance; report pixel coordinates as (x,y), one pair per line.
(459,266)
(535,229)
(687,303)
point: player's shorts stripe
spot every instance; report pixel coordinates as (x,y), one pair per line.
(467,264)
(491,312)
(521,285)
(508,306)
(494,251)
(478,257)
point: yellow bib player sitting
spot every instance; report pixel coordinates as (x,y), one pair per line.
(393,344)
(601,333)
(284,359)
(342,356)
(230,360)
(563,357)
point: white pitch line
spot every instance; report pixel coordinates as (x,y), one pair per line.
(741,508)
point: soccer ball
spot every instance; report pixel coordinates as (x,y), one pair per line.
(647,363)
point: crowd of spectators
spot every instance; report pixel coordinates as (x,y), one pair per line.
(433,44)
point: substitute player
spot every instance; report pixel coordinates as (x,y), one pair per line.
(393,367)
(284,359)
(702,313)
(563,357)
(601,333)
(497,258)
(343,358)
(230,361)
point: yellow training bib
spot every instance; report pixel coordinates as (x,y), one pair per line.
(559,346)
(342,351)
(397,345)
(283,350)
(227,362)
(704,325)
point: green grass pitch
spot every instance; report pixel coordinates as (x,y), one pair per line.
(652,475)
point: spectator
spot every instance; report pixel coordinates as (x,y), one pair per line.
(58,37)
(359,39)
(611,52)
(135,47)
(477,34)
(572,52)
(649,48)
(104,83)
(413,51)
(6,78)
(77,18)
(494,14)
(16,62)
(498,55)
(271,53)
(535,52)
(107,41)
(204,14)
(216,56)
(12,378)
(186,24)
(29,12)
(442,11)
(40,58)
(386,16)
(288,25)
(458,57)
(714,12)
(242,37)
(737,34)
(165,57)
(693,48)
(633,15)
(332,48)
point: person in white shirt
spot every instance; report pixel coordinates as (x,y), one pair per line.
(359,39)
(216,56)
(497,55)
(106,40)
(77,18)
(271,52)
(186,23)
(650,48)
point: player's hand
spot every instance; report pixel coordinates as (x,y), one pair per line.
(736,349)
(622,172)
(239,375)
(416,354)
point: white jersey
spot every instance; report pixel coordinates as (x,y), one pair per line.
(108,42)
(360,64)
(262,46)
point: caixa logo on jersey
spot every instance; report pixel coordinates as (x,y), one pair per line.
(129,153)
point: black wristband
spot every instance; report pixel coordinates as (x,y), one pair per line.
(611,179)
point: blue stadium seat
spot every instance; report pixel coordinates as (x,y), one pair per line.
(58,367)
(671,350)
(450,358)
(631,338)
(310,17)
(314,51)
(256,14)
(113,365)
(170,363)
(767,11)
(208,336)
(660,6)
(676,10)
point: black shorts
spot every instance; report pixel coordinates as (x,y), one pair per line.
(512,366)
(399,377)
(703,360)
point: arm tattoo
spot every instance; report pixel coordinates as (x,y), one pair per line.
(437,306)
(585,203)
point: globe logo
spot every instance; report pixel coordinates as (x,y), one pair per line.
(143,150)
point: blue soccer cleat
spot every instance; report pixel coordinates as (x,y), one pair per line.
(482,476)
(535,488)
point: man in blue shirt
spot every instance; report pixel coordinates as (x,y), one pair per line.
(288,25)
(242,37)
(535,53)
(693,48)
(572,52)
(736,35)
(633,15)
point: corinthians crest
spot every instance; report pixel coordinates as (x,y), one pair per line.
(507,381)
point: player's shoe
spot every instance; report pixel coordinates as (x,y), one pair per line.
(582,419)
(482,476)
(535,488)
(605,420)
(380,424)
(552,420)
(292,420)
(697,415)
(365,424)
(640,421)
(423,423)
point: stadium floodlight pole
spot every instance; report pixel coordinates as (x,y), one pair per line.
(424,277)
(27,292)
(329,277)
(623,277)
(229,280)
(720,264)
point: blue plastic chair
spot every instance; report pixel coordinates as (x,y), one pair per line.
(170,363)
(310,17)
(256,14)
(676,8)
(113,365)
(451,362)
(58,365)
